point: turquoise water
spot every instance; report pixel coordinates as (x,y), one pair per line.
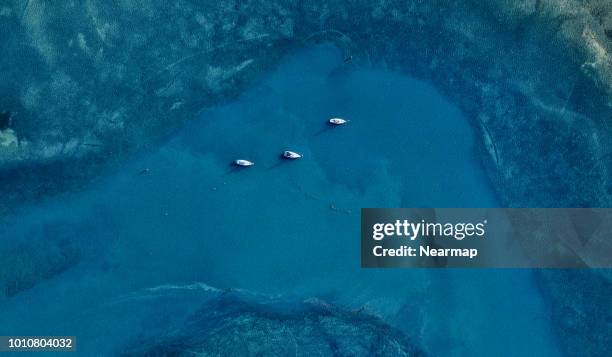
(282,228)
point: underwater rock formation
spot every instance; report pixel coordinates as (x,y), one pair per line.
(233,326)
(26,263)
(115,79)
(5,120)
(580,309)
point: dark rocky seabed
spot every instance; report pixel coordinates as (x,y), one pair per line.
(87,85)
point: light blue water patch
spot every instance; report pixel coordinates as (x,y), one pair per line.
(285,228)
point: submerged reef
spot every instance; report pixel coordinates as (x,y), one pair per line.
(534,77)
(44,252)
(580,309)
(89,83)
(229,325)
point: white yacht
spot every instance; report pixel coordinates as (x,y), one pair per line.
(291,155)
(243,163)
(337,121)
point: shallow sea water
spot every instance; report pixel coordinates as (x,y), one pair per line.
(282,228)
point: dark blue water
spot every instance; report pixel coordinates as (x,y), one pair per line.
(282,228)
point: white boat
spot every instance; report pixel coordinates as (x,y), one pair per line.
(291,155)
(243,163)
(337,121)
